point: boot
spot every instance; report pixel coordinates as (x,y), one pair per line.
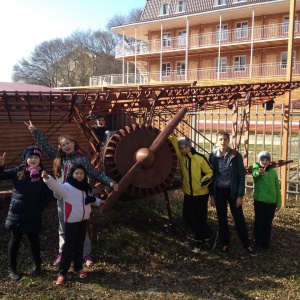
(13,275)
(36,271)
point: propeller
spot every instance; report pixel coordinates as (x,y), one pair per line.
(145,158)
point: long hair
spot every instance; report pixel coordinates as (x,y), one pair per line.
(60,154)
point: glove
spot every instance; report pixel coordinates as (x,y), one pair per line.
(89,199)
(90,117)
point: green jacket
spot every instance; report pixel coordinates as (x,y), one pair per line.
(266,187)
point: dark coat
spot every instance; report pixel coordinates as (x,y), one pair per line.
(29,199)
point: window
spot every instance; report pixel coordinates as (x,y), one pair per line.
(241,30)
(164,8)
(220,2)
(180,68)
(222,66)
(239,63)
(238,1)
(284,57)
(182,38)
(166,40)
(181,6)
(222,33)
(286,21)
(165,69)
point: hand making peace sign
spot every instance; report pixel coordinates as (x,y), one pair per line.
(30,126)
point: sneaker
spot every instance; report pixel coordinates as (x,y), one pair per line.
(82,274)
(224,249)
(213,240)
(88,261)
(197,246)
(251,251)
(57,260)
(61,280)
(14,275)
(36,271)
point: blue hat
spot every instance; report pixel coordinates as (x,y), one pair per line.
(100,116)
(32,150)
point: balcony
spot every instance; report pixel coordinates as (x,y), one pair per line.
(267,33)
(258,72)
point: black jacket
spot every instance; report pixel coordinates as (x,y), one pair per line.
(29,199)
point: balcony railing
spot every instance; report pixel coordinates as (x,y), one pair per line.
(212,39)
(266,70)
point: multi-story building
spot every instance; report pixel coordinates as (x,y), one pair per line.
(209,40)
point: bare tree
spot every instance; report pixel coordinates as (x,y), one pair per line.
(42,66)
(70,62)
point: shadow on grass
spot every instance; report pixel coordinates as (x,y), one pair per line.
(137,258)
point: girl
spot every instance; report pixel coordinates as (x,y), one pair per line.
(228,187)
(75,193)
(64,157)
(267,200)
(30,197)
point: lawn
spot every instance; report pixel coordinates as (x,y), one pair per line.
(137,257)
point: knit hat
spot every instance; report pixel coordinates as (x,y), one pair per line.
(264,155)
(185,141)
(100,116)
(75,167)
(32,150)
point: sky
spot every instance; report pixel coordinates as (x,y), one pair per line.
(24,24)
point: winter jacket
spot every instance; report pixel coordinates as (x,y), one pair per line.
(266,187)
(29,199)
(68,160)
(236,172)
(196,171)
(75,209)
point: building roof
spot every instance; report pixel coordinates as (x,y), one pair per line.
(23,87)
(152,7)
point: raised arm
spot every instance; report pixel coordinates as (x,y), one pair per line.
(42,141)
(58,188)
(2,159)
(97,175)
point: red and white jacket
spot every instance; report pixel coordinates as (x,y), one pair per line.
(74,208)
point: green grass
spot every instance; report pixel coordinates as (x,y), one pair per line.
(138,258)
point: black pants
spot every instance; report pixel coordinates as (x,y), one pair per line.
(73,247)
(195,215)
(222,197)
(264,215)
(14,244)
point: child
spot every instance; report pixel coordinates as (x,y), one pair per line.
(267,200)
(228,186)
(76,197)
(29,199)
(64,157)
(100,128)
(197,174)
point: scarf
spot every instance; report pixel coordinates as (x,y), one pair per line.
(80,185)
(34,173)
